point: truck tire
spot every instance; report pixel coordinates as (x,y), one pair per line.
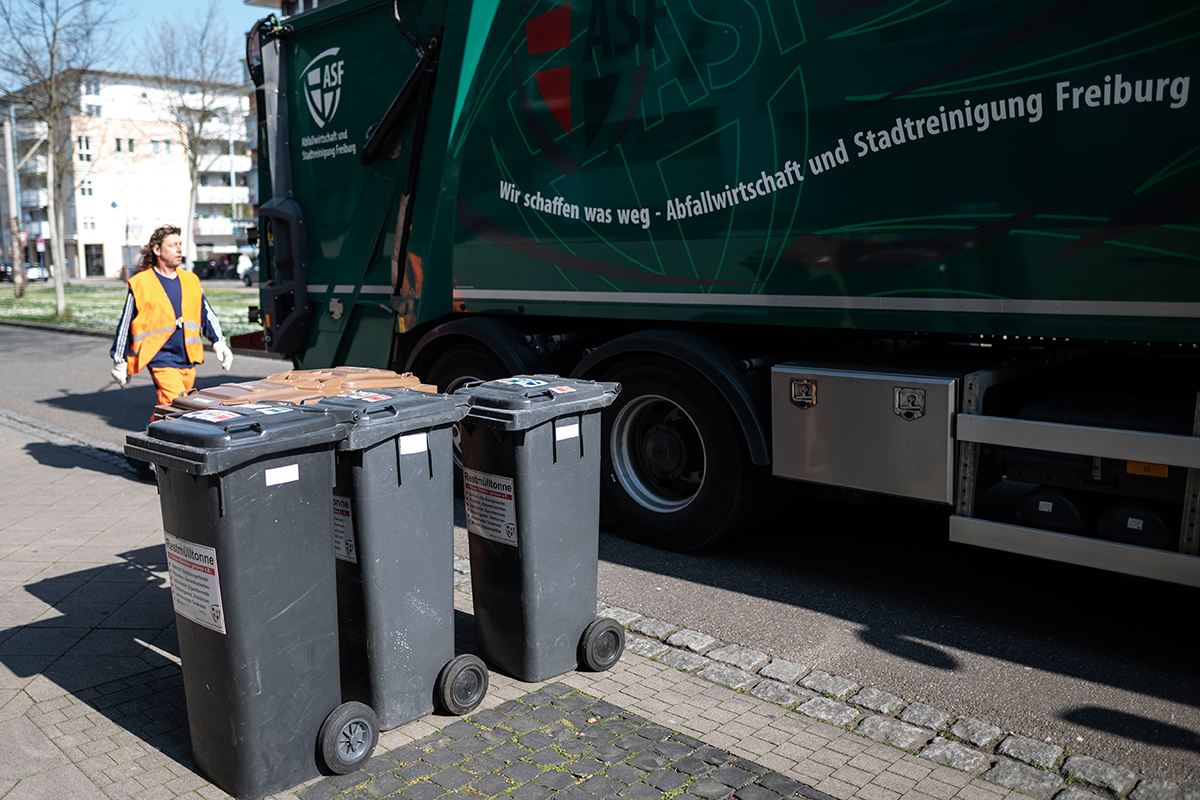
(675,472)
(452,370)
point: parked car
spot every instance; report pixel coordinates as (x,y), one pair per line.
(250,276)
(37,272)
(5,272)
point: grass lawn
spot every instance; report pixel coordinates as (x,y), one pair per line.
(99,308)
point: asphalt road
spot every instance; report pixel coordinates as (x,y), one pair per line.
(1095,662)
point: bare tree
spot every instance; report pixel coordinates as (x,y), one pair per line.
(50,45)
(196,66)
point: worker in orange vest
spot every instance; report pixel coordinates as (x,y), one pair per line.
(165,314)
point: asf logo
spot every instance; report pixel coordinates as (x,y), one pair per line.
(614,30)
(322,86)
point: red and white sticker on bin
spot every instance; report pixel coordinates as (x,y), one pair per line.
(195,583)
(491,506)
(213,415)
(370,397)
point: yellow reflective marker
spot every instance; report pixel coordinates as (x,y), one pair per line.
(1142,468)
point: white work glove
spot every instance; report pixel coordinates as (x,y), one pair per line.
(120,372)
(224,355)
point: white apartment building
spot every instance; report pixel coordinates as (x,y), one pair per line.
(128,174)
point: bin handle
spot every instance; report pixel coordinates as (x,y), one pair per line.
(245,430)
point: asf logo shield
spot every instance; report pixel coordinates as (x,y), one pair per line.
(321,83)
(614,31)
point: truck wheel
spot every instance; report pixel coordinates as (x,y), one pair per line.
(453,369)
(348,736)
(675,472)
(461,685)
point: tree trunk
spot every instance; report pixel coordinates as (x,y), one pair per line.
(18,257)
(15,255)
(189,227)
(56,249)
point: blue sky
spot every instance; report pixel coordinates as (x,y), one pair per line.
(144,16)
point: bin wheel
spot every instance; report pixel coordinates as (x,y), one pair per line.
(348,736)
(601,645)
(462,685)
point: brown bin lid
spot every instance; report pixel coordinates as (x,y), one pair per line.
(234,394)
(340,380)
(298,385)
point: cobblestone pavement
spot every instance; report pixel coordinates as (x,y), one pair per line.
(91,703)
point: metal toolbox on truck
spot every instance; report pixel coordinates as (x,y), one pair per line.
(887,433)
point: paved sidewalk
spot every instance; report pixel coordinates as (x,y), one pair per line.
(91,702)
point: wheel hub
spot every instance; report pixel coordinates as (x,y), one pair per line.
(664,452)
(352,741)
(466,687)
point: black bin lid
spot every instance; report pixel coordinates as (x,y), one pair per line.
(526,401)
(373,415)
(218,439)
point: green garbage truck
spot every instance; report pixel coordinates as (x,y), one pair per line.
(947,252)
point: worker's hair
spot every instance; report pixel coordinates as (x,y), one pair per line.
(156,240)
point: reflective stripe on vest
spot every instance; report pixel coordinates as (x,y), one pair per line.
(155,320)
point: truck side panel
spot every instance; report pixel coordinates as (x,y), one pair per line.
(981,168)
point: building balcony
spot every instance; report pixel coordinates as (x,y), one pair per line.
(223,195)
(38,198)
(219,226)
(34,165)
(221,164)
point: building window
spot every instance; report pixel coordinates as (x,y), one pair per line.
(84,146)
(161,146)
(85,189)
(89,223)
(130,142)
(91,86)
(93,111)
(119,142)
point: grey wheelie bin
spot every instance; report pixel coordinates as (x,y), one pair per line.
(245,496)
(394,542)
(531,481)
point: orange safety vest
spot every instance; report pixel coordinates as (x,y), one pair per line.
(155,319)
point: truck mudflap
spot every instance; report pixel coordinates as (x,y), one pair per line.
(287,314)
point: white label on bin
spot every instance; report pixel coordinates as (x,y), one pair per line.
(1045,506)
(343,530)
(491,507)
(280,475)
(195,584)
(414,443)
(566,432)
(1134,524)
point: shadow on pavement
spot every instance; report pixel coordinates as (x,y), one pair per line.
(67,456)
(130,408)
(111,644)
(1134,726)
(890,568)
